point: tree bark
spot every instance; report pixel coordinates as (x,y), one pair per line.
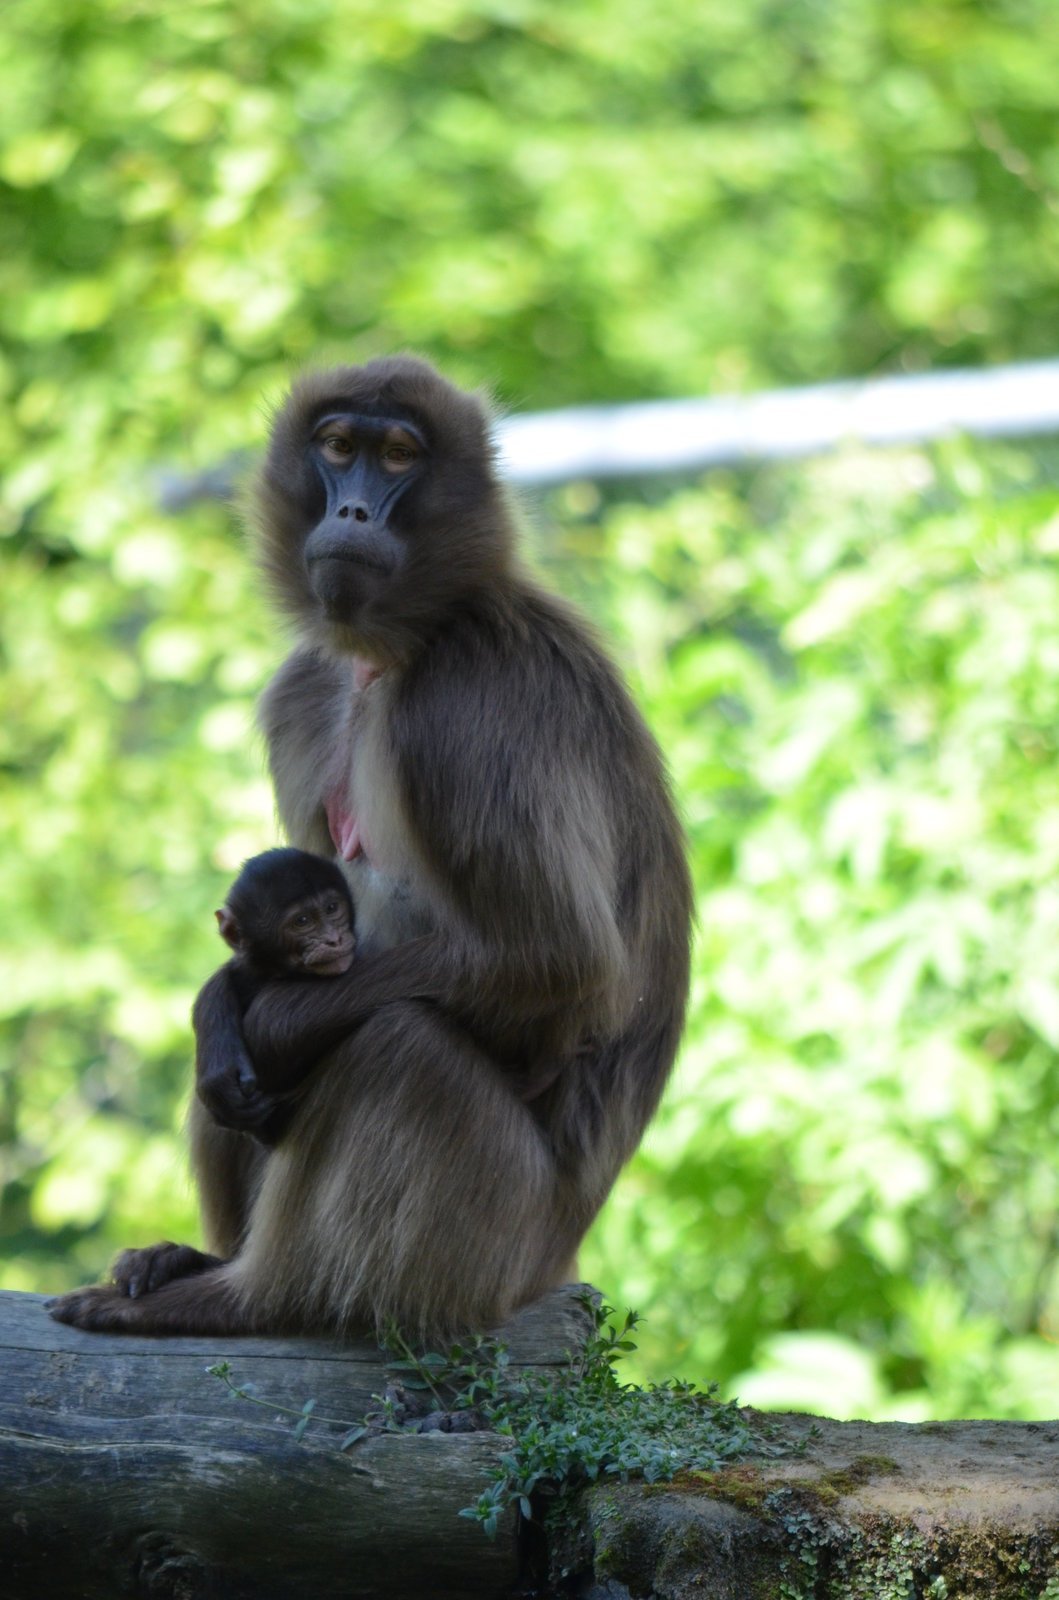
(125,1469)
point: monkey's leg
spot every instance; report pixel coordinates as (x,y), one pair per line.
(227,1168)
(171,1288)
(414,1184)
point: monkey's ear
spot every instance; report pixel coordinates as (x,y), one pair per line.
(230,932)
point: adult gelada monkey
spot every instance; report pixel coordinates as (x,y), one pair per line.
(458,739)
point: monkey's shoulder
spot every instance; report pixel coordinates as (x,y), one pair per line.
(534,662)
(305,688)
(520,715)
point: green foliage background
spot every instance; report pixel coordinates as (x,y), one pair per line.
(850,1198)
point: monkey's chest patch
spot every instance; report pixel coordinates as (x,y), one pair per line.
(344,828)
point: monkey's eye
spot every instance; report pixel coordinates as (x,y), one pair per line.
(397,456)
(301,920)
(336,448)
(331,907)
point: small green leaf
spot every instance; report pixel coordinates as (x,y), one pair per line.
(304,1420)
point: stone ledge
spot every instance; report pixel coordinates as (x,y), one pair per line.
(869,1511)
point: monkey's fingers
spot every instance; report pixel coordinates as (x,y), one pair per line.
(228,1103)
(138,1272)
(246,1078)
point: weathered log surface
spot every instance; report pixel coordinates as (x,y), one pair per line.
(126,1469)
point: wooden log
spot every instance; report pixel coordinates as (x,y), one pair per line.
(126,1469)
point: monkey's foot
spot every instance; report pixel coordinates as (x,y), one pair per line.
(137,1272)
(101,1308)
(205,1302)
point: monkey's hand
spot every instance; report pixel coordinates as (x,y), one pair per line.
(231,1096)
(141,1271)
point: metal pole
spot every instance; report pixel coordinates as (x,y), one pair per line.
(659,436)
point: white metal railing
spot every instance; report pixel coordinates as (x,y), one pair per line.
(688,435)
(658,436)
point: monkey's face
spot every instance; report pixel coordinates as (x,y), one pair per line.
(316,937)
(366,464)
(290,913)
(378,506)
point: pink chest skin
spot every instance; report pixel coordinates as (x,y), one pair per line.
(343,825)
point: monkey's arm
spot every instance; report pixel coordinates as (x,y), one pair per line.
(225,1080)
(507,757)
(291,1025)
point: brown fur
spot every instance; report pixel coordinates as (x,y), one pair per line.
(523,915)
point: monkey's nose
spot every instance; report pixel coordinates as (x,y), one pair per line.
(359,513)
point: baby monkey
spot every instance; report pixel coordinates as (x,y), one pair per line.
(289,914)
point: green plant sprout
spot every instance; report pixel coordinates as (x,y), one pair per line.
(565,1427)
